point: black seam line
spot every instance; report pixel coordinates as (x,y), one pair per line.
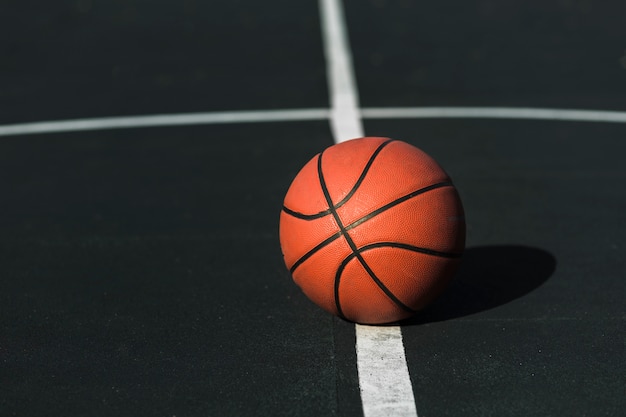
(398,201)
(376,212)
(312,251)
(412,248)
(357,184)
(342,266)
(305,216)
(351,243)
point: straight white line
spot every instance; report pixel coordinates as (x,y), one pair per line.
(494,113)
(164,120)
(383,373)
(345,119)
(384,379)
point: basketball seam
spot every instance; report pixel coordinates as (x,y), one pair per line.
(310,253)
(365,248)
(368,216)
(348,196)
(412,248)
(351,243)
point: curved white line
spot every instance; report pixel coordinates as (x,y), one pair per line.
(494,113)
(164,120)
(260,116)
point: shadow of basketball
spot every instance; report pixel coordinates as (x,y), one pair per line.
(489,276)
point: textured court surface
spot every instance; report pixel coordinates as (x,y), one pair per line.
(140,271)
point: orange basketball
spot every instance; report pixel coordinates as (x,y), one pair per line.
(372,230)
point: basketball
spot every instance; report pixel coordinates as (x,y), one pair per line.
(372,230)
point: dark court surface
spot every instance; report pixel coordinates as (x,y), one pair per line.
(83,58)
(489,53)
(140,270)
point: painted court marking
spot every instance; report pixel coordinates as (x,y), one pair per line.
(345,119)
(383,374)
(301,115)
(164,120)
(494,113)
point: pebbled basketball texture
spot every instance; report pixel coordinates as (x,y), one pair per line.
(372,230)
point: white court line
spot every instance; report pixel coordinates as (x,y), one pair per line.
(165,120)
(494,113)
(382,366)
(384,380)
(345,119)
(260,116)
